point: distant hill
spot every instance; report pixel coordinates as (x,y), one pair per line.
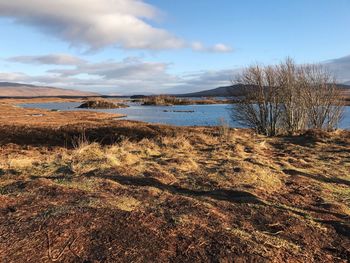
(347,83)
(238,90)
(227,91)
(10,89)
(345,88)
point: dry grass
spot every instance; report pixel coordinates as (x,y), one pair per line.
(177,194)
(11,114)
(190,159)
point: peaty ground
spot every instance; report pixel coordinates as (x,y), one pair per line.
(100,190)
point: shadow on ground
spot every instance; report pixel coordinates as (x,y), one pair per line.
(319,178)
(235,196)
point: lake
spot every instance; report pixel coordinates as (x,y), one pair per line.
(180,115)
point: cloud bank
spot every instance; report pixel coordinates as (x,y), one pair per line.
(128,76)
(54,59)
(96,24)
(341,68)
(133,75)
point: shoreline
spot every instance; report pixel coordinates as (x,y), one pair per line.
(12,113)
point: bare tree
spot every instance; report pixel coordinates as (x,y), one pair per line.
(287,98)
(323,100)
(259,108)
(294,115)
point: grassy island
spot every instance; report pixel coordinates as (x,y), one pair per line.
(165,100)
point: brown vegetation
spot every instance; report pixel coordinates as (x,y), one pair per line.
(165,100)
(11,114)
(135,192)
(101,104)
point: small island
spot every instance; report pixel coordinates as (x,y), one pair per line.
(166,100)
(101,104)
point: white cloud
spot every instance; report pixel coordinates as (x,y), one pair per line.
(133,75)
(97,24)
(129,76)
(12,76)
(94,23)
(204,80)
(54,59)
(129,68)
(217,48)
(221,48)
(198,46)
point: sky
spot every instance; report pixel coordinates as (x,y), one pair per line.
(163,46)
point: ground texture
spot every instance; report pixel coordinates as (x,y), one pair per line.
(97,189)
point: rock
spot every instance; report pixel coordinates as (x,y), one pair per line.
(237,169)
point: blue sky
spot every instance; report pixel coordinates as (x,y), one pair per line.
(129,46)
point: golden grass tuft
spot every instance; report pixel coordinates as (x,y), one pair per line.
(178,142)
(124,203)
(20,163)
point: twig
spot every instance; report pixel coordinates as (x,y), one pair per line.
(68,244)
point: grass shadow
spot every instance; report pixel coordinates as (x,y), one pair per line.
(319,178)
(342,228)
(235,196)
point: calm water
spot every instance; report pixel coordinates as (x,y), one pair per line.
(195,115)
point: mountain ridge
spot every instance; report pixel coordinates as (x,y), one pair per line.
(238,90)
(14,89)
(224,91)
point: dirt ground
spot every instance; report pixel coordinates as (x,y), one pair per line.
(85,187)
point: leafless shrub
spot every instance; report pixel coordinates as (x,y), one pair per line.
(260,108)
(322,99)
(288,98)
(293,86)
